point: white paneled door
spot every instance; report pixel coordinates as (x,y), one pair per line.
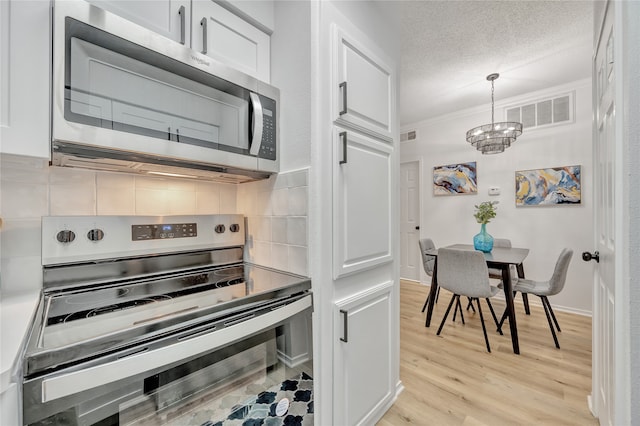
(609,398)
(410,261)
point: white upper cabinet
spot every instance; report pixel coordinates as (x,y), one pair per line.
(363,86)
(230,39)
(25,62)
(362,199)
(236,35)
(170,18)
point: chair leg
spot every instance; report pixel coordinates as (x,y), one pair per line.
(525,302)
(426,302)
(446,314)
(546,300)
(504,317)
(553,331)
(470,305)
(484,328)
(456,309)
(493,314)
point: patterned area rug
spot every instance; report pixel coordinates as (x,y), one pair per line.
(264,409)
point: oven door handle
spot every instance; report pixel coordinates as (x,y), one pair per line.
(82,380)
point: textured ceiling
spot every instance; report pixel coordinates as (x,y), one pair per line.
(449,47)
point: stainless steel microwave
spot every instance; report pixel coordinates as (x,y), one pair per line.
(127,99)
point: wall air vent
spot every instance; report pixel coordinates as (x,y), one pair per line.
(408,136)
(543,112)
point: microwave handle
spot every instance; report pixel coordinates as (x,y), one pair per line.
(181,12)
(258,120)
(203,24)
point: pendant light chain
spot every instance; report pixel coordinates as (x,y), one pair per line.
(492,120)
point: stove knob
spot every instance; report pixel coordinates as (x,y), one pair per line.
(220,229)
(65,236)
(95,234)
(234,227)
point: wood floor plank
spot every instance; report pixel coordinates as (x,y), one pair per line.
(451,379)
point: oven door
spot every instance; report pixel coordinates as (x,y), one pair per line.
(239,369)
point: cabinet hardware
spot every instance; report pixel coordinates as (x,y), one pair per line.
(203,24)
(343,136)
(343,86)
(182,22)
(345,333)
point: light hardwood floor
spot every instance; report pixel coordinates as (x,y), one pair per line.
(451,379)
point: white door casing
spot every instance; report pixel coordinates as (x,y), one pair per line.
(410,260)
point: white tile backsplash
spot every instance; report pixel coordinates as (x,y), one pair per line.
(297,230)
(280,202)
(280,256)
(21,237)
(75,198)
(20,200)
(277,211)
(279,230)
(116,200)
(298,260)
(298,201)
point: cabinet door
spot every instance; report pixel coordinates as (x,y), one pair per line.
(362,188)
(231,40)
(171,18)
(364,87)
(25,63)
(362,356)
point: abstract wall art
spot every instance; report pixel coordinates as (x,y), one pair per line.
(454,179)
(552,186)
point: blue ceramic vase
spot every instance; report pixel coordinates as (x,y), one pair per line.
(483,241)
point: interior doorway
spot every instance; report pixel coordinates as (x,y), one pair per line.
(410,261)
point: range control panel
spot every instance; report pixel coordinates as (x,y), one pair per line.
(67,239)
(163,230)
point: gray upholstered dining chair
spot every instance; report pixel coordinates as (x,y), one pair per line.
(543,289)
(427,263)
(495,272)
(464,273)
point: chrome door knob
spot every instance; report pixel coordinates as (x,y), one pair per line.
(586,256)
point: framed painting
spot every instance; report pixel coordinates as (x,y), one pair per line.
(552,186)
(455,179)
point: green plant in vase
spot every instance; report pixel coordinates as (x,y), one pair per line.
(485,211)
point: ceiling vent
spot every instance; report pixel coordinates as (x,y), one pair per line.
(408,136)
(544,112)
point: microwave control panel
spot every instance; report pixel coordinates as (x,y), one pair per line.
(269,145)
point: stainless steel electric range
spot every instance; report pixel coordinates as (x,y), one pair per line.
(158,320)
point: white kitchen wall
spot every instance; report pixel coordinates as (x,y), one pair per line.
(544,230)
(277,212)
